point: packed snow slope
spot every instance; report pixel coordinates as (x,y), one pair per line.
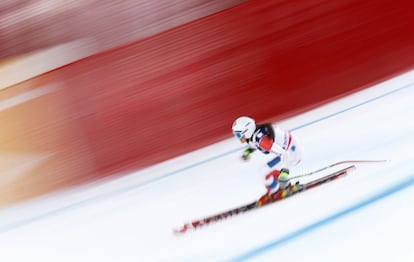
(366,215)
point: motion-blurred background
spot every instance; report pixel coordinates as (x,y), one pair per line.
(92,89)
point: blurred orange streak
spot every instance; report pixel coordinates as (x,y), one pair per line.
(41,145)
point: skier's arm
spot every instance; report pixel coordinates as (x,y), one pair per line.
(277,149)
(268,146)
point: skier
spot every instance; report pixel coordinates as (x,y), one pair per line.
(281,144)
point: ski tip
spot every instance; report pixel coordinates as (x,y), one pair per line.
(180,231)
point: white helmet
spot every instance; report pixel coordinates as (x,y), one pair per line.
(244,126)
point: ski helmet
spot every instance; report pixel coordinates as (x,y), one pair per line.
(243,127)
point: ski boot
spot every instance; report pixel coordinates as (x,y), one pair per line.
(285,185)
(277,188)
(283,178)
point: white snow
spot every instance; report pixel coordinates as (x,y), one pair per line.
(365,216)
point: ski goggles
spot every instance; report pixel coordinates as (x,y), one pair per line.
(238,134)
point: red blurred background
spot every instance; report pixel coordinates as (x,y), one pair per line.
(180,89)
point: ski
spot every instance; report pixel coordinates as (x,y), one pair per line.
(282,194)
(340,163)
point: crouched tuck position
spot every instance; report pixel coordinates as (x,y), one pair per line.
(268,139)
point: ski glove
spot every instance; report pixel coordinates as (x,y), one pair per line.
(247,153)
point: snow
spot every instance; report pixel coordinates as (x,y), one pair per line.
(366,215)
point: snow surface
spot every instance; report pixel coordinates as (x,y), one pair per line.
(365,216)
